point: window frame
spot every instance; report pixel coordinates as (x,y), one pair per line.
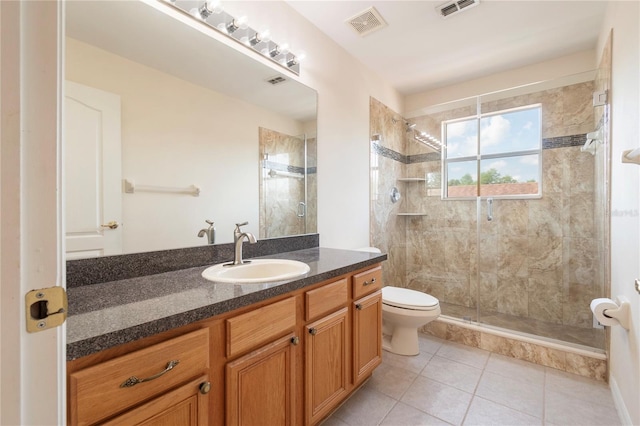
(478,157)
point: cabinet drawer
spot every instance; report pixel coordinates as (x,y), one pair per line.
(367,282)
(326,299)
(96,392)
(249,330)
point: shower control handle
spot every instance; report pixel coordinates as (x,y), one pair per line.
(489,209)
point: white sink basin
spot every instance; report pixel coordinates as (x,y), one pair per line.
(258,271)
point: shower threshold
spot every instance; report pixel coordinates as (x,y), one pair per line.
(589,337)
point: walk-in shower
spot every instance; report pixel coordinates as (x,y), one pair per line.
(504,220)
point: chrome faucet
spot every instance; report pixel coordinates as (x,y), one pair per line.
(210,232)
(238,239)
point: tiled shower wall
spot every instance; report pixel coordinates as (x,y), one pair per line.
(539,258)
(281,194)
(387,230)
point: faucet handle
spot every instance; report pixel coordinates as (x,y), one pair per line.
(210,222)
(238,225)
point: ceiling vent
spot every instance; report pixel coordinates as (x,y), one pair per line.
(366,22)
(276,80)
(453,7)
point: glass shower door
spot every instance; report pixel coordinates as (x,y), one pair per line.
(539,262)
(284,204)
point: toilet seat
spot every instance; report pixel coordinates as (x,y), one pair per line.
(408,299)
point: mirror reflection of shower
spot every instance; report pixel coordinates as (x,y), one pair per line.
(287,184)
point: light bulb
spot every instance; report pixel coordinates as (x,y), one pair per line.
(284,48)
(208,8)
(242,22)
(215,6)
(265,36)
(237,23)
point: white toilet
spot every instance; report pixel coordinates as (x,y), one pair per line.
(403,312)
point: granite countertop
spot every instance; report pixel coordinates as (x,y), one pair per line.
(112,313)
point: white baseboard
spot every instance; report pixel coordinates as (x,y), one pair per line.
(625,417)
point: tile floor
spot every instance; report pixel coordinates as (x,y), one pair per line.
(452,384)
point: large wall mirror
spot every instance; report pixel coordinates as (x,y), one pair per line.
(166,127)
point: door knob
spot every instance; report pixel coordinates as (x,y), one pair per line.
(111,225)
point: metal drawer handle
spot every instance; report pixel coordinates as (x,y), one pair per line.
(133,380)
(359,307)
(313,331)
(373,280)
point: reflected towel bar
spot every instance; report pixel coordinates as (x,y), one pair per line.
(130,188)
(273,173)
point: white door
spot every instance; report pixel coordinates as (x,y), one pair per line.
(32,365)
(92,166)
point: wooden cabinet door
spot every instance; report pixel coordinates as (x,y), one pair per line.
(367,335)
(259,385)
(327,363)
(187,405)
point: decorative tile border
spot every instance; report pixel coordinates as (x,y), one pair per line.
(564,141)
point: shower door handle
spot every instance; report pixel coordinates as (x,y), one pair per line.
(489,209)
(302,209)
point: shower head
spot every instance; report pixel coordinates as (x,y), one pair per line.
(410,126)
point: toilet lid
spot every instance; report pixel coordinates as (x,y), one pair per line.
(407,298)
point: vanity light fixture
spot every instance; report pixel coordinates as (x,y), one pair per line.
(275,51)
(235,24)
(212,13)
(209,8)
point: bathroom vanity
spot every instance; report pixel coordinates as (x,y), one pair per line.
(174,348)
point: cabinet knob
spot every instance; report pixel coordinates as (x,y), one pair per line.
(373,280)
(313,331)
(359,306)
(295,340)
(205,387)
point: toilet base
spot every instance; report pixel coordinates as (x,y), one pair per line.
(403,341)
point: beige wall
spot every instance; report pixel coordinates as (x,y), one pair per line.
(623,18)
(564,66)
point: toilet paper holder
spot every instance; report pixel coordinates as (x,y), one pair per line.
(622,313)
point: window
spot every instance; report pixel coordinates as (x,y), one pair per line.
(496,154)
